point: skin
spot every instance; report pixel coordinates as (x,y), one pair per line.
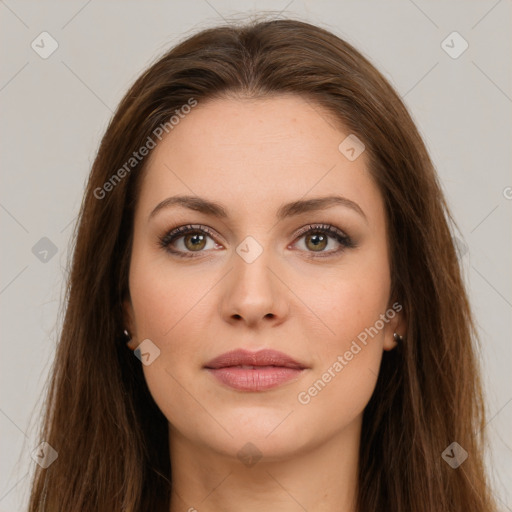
(252,156)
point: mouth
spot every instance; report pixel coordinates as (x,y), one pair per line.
(254,371)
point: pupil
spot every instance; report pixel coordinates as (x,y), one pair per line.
(317,240)
(196,240)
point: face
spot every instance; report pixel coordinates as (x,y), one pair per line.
(312,283)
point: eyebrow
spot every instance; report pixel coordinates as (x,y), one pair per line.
(214,209)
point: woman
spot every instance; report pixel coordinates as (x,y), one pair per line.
(264,229)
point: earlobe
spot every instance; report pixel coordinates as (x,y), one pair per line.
(130,343)
(396,328)
(390,342)
(393,340)
(129,325)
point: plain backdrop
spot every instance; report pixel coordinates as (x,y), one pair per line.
(54,111)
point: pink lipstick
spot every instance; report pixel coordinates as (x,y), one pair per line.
(254,371)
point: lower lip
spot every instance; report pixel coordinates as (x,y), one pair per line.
(257,379)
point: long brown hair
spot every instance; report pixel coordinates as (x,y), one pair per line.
(110,436)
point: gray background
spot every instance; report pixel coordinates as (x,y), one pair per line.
(55,110)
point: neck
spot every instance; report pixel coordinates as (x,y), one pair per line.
(318,479)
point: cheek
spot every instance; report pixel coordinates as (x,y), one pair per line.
(170,309)
(170,316)
(347,301)
(349,353)
(163,294)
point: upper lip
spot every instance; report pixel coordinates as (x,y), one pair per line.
(265,357)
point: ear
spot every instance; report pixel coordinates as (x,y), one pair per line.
(129,323)
(397,322)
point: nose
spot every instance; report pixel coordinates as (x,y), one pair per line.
(254,293)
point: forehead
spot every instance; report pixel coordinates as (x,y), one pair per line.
(256,153)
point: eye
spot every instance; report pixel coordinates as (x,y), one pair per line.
(316,239)
(187,240)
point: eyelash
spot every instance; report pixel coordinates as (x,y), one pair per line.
(345,241)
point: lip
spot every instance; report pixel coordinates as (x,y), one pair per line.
(254,371)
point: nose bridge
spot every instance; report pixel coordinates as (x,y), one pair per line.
(254,291)
(252,264)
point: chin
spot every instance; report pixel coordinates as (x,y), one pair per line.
(256,434)
(251,447)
